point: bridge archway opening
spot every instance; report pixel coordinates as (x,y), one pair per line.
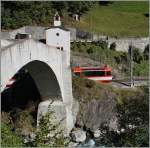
(34,82)
(45,80)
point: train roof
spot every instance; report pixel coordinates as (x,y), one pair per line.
(92,68)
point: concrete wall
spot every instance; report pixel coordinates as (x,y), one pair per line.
(73,33)
(14,32)
(5,43)
(123,44)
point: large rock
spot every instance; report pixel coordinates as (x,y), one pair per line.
(72,144)
(78,136)
(97,133)
(96,112)
(113,124)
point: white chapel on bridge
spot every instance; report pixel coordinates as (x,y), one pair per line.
(59,37)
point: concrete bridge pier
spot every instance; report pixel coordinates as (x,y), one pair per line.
(65,114)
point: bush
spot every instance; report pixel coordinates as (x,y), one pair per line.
(113,46)
(141,69)
(137,55)
(146,52)
(90,50)
(10,138)
(102,44)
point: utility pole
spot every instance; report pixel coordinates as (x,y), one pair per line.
(131,65)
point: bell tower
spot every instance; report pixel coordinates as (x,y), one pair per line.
(57,21)
(59,37)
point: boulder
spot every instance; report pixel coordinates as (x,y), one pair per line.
(78,136)
(96,112)
(97,133)
(72,144)
(113,124)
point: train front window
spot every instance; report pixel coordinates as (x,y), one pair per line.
(93,73)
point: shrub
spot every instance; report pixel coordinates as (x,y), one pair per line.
(141,69)
(90,50)
(46,127)
(113,46)
(137,56)
(102,44)
(146,52)
(9,138)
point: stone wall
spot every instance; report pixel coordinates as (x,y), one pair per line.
(123,44)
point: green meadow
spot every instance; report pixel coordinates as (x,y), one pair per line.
(121,19)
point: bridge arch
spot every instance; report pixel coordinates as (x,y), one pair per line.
(45,79)
(29,53)
(31,86)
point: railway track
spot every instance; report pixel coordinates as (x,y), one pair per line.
(138,81)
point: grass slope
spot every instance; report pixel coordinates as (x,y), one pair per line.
(123,19)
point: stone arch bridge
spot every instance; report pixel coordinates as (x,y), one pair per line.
(48,67)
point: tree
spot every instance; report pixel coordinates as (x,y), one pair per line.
(17,14)
(137,56)
(133,116)
(79,7)
(48,132)
(105,3)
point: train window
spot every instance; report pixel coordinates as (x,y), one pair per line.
(108,73)
(93,73)
(87,73)
(100,73)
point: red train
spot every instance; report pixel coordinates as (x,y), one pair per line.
(99,74)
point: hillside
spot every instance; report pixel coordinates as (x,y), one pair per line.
(123,19)
(116,19)
(99,104)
